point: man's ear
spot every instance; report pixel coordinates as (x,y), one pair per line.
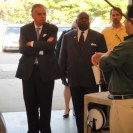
(32,14)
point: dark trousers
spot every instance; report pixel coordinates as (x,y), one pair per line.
(78,103)
(38,102)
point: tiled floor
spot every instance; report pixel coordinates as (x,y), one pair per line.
(11,101)
(16,122)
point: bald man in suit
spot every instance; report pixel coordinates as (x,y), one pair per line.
(75,63)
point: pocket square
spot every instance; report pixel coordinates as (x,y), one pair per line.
(41,52)
(44,35)
(93,44)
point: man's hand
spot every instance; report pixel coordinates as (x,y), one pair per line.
(50,39)
(29,43)
(95,58)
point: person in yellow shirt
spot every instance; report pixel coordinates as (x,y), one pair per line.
(115,33)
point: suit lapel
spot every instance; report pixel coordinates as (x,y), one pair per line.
(44,31)
(88,40)
(33,31)
(75,37)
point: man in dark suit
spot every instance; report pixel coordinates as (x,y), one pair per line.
(38,68)
(75,63)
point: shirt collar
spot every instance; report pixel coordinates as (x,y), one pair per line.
(122,27)
(85,31)
(37,26)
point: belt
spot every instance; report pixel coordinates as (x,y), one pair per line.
(121,97)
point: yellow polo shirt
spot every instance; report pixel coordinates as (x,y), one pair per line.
(114,36)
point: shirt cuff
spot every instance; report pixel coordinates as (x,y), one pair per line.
(31,43)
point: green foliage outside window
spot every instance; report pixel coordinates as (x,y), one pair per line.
(59,11)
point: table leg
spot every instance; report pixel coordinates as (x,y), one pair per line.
(86,130)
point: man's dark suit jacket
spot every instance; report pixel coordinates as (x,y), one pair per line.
(48,63)
(75,63)
(58,44)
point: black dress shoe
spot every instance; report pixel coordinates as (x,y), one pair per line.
(66,115)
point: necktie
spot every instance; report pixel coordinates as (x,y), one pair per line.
(81,40)
(37,33)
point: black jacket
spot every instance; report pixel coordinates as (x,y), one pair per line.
(48,63)
(75,63)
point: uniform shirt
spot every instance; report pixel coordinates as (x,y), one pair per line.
(114,36)
(120,65)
